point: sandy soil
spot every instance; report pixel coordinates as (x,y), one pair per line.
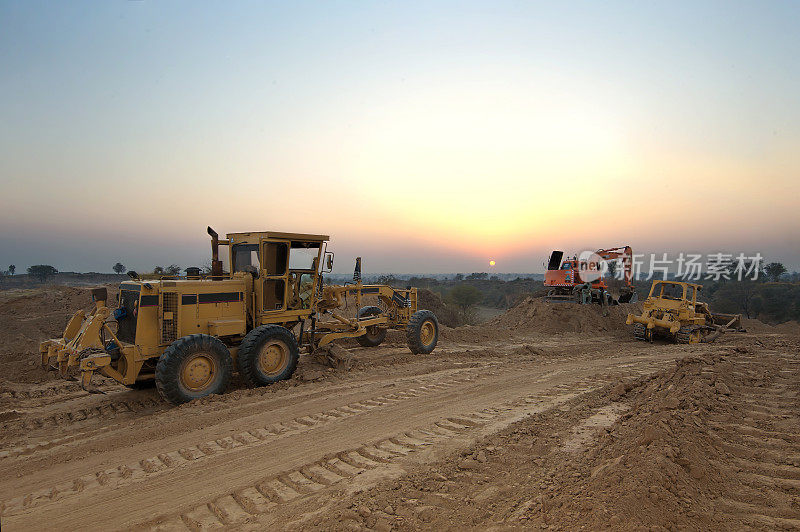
(547,416)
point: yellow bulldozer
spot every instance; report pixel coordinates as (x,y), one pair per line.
(672,311)
(188,334)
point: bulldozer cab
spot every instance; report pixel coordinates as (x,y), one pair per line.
(672,294)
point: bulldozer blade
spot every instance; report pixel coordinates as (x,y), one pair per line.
(728,321)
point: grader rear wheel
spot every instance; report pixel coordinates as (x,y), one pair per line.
(268,354)
(273,357)
(192,367)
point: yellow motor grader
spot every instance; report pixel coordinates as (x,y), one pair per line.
(672,311)
(188,334)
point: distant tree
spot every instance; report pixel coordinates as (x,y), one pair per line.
(465,297)
(738,297)
(42,271)
(388,280)
(774,270)
(478,276)
(459,277)
(158,270)
(120,268)
(12,269)
(173,269)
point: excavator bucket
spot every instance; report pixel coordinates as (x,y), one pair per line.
(628,296)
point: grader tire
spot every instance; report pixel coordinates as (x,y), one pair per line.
(375,334)
(422,332)
(192,367)
(268,354)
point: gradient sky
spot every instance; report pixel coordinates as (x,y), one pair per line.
(426,137)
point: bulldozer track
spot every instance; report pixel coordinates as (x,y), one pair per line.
(248,503)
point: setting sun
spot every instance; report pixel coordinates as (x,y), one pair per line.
(491,263)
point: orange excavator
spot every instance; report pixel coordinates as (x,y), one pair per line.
(579,279)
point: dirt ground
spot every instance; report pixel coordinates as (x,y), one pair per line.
(547,416)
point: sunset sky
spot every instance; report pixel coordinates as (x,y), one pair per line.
(425,137)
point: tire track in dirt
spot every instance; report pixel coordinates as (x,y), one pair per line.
(260,435)
(181,461)
(248,503)
(117,410)
(765,446)
(106,410)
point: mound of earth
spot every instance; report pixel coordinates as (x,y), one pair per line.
(427,300)
(536,315)
(27,318)
(756,326)
(676,459)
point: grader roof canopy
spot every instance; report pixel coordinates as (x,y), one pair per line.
(254,236)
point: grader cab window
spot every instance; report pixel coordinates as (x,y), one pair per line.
(302,255)
(245,255)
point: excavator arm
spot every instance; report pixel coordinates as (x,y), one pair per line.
(626,254)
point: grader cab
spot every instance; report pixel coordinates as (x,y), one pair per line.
(188,334)
(672,311)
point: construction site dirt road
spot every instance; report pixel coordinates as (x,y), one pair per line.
(529,419)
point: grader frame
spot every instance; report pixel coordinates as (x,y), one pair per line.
(274,285)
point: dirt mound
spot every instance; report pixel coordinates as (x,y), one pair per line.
(30,316)
(756,326)
(427,300)
(674,459)
(536,315)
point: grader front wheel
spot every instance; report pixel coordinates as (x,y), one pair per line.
(422,332)
(375,334)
